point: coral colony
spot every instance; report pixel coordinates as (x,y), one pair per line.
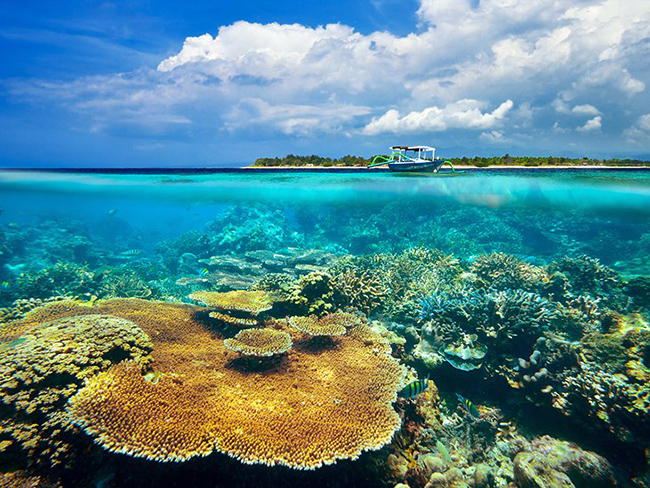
(300,338)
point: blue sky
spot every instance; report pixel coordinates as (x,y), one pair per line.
(213,83)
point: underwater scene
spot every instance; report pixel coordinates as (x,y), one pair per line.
(338,329)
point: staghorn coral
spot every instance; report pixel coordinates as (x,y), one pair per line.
(503,322)
(502,271)
(313,326)
(46,365)
(588,276)
(259,342)
(121,282)
(362,290)
(324,407)
(250,302)
(62,279)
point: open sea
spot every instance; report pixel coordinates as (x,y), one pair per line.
(334,328)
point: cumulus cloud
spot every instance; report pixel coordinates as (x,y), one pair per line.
(292,120)
(591,125)
(639,132)
(534,61)
(464,114)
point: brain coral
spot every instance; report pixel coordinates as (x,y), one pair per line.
(312,410)
(260,342)
(252,302)
(46,364)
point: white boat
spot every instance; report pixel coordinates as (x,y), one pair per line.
(411,159)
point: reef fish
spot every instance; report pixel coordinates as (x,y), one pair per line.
(203,273)
(131,252)
(414,389)
(469,406)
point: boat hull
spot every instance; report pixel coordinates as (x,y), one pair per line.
(407,166)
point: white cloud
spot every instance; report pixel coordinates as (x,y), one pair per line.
(549,59)
(639,131)
(493,137)
(591,125)
(464,114)
(585,109)
(293,120)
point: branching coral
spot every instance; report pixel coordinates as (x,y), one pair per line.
(502,271)
(588,276)
(504,322)
(63,279)
(259,342)
(314,293)
(359,289)
(317,409)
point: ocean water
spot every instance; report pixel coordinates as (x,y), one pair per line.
(522,294)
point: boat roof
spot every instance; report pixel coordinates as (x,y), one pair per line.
(412,148)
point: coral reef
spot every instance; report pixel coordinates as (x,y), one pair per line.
(312,325)
(328,406)
(502,271)
(239,308)
(552,463)
(48,362)
(259,342)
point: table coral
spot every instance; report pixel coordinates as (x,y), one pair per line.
(46,365)
(312,410)
(252,302)
(259,342)
(314,326)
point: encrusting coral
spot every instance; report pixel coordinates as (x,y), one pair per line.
(259,342)
(312,411)
(46,365)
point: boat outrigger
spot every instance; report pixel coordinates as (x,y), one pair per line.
(411,159)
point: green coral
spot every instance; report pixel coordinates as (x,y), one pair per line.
(313,294)
(62,279)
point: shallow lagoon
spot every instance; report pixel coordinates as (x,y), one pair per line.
(471,279)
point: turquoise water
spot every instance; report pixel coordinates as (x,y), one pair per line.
(443,265)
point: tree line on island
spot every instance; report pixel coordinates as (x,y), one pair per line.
(481,162)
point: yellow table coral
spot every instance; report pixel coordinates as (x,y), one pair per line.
(252,302)
(259,342)
(312,410)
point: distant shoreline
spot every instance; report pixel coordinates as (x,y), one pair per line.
(463,167)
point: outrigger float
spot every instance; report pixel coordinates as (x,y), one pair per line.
(411,159)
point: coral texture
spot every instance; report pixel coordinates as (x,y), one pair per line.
(259,342)
(313,410)
(46,365)
(252,302)
(312,325)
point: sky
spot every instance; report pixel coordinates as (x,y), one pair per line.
(142,83)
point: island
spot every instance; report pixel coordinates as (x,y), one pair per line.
(314,161)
